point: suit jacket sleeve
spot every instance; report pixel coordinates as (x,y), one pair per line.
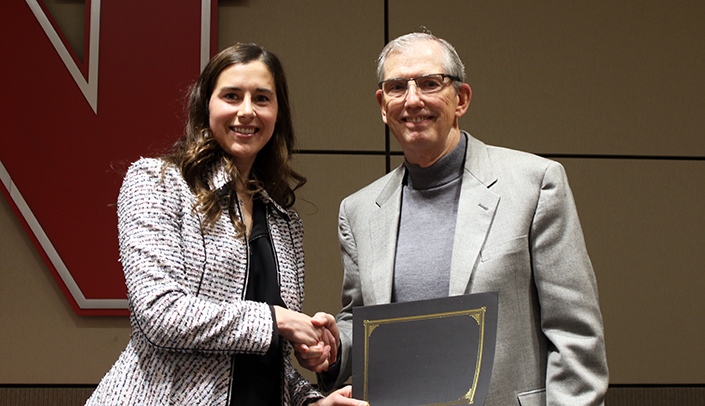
(567,291)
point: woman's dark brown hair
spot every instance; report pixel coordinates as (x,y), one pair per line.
(199,155)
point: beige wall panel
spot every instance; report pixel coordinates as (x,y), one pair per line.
(576,77)
(328,49)
(43,340)
(645,227)
(396,160)
(330,179)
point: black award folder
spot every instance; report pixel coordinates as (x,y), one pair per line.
(429,352)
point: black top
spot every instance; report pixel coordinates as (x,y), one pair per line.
(257,379)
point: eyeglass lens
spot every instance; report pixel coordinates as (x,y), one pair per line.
(425,84)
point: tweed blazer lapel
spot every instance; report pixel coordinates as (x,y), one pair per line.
(384,225)
(476,210)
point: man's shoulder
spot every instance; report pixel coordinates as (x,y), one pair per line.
(518,169)
(492,162)
(517,157)
(505,159)
(373,190)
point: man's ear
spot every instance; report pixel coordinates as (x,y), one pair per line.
(464,97)
(380,99)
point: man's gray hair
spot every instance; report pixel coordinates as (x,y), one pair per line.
(451,61)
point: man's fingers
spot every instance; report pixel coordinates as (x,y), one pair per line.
(332,343)
(322,319)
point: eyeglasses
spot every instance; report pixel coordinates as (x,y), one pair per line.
(426,84)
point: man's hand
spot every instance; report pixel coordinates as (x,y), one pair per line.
(321,356)
(331,336)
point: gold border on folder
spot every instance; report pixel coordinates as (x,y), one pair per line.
(477,314)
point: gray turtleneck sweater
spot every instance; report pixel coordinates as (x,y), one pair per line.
(426,227)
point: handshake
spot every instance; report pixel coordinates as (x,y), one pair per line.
(315,339)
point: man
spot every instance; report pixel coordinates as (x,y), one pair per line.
(462,217)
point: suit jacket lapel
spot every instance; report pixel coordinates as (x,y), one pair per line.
(384,225)
(476,210)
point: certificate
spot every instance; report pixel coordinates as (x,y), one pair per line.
(429,352)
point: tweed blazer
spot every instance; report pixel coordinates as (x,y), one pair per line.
(185,285)
(517,233)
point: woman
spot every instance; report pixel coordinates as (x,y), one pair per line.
(212,253)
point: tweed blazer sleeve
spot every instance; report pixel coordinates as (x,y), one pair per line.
(183,284)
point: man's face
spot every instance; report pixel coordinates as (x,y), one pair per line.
(425,125)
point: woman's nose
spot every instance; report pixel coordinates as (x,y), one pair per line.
(246,108)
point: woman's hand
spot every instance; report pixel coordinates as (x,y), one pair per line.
(297,327)
(341,397)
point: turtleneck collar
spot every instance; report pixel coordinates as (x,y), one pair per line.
(443,171)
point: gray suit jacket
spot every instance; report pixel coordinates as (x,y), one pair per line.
(517,233)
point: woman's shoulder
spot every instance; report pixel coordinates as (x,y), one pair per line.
(150,165)
(154,182)
(153,173)
(155,168)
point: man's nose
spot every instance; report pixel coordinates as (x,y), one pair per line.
(412,93)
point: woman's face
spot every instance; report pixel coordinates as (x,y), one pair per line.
(243,111)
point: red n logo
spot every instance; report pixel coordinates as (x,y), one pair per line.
(68,122)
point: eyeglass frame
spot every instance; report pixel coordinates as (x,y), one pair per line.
(453,78)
